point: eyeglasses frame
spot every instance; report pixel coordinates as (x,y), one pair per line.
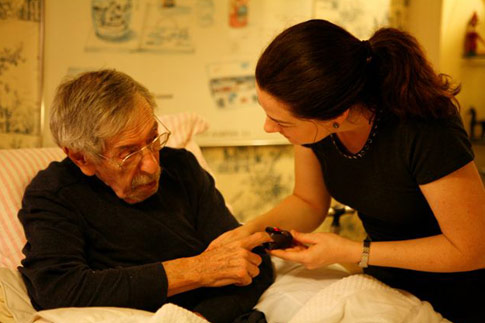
(140,151)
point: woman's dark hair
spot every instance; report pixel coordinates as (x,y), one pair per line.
(320,70)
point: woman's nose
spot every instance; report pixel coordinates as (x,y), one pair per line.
(270,126)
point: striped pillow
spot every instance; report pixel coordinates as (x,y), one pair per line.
(19,166)
(183,127)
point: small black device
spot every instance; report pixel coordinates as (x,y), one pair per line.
(282,239)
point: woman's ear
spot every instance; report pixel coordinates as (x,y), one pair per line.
(80,159)
(341,118)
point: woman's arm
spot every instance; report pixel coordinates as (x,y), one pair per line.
(458,203)
(303,210)
(306,208)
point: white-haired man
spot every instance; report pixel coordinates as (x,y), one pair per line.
(123,222)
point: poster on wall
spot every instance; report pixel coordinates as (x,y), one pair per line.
(20,73)
(194,55)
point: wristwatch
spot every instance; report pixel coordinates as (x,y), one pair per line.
(365,254)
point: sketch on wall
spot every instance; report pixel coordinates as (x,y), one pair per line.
(232,85)
(136,26)
(194,55)
(20,73)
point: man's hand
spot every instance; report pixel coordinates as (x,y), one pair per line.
(239,233)
(231,263)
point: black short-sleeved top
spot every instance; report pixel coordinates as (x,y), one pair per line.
(87,247)
(383,186)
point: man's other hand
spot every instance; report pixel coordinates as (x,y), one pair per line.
(226,264)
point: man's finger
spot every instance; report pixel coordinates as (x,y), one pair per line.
(254,240)
(254,259)
(253,271)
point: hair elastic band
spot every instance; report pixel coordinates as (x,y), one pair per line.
(368,49)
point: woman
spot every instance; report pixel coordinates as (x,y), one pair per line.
(375,128)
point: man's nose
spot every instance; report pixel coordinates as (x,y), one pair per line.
(149,162)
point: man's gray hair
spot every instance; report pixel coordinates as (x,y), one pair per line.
(93,107)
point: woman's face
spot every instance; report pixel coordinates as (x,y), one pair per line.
(279,119)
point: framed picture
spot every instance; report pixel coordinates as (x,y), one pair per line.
(21,43)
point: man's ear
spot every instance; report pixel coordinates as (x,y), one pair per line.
(80,159)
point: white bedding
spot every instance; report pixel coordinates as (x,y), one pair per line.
(298,295)
(361,298)
(168,313)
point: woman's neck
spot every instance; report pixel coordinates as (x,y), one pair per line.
(355,131)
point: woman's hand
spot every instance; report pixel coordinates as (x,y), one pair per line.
(315,250)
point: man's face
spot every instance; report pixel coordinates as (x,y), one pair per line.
(138,179)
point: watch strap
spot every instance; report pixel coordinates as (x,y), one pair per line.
(364,260)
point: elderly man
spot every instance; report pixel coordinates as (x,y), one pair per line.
(123,222)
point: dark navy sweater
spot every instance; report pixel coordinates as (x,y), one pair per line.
(87,247)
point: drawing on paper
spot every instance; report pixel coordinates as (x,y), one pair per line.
(163,26)
(359,17)
(111,19)
(238,13)
(205,12)
(232,85)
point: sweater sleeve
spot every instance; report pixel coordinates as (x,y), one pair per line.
(227,303)
(213,218)
(56,271)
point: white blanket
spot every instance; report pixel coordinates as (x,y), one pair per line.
(361,298)
(168,313)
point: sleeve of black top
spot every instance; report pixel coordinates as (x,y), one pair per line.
(226,303)
(213,218)
(55,269)
(212,215)
(437,148)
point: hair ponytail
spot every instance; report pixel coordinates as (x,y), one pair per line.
(404,82)
(320,70)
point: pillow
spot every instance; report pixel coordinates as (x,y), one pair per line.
(15,304)
(294,286)
(19,166)
(183,127)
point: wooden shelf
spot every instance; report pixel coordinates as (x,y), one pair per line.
(477,60)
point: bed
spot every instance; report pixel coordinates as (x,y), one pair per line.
(330,294)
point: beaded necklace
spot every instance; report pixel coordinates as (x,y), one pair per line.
(364,149)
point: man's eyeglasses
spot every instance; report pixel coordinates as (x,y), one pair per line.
(133,158)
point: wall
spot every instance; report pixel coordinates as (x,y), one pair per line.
(254,178)
(424,22)
(439,26)
(470,72)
